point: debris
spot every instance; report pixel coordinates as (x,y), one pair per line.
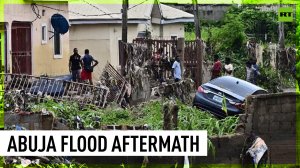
(113,80)
(25,162)
(21,87)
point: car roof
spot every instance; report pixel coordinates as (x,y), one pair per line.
(236,85)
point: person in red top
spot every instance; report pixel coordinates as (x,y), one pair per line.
(217,67)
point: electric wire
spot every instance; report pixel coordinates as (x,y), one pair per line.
(96,7)
(84,15)
(36,11)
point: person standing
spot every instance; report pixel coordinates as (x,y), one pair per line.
(88,63)
(256,71)
(249,72)
(217,67)
(177,69)
(228,68)
(74,65)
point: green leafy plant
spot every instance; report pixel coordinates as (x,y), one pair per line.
(150,113)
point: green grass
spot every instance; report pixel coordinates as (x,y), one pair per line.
(192,36)
(150,113)
(1,119)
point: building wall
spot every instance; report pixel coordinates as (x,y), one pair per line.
(173,29)
(273,118)
(116,35)
(214,12)
(43,61)
(102,41)
(96,39)
(169,30)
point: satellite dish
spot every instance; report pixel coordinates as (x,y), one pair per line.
(59,24)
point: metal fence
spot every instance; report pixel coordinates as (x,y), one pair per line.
(56,88)
(168,47)
(115,82)
(192,52)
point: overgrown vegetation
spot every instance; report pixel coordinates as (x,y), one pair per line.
(55,165)
(149,113)
(228,38)
(274,81)
(262,26)
(297,73)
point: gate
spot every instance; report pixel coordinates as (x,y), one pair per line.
(191,61)
(111,78)
(168,47)
(21,48)
(192,52)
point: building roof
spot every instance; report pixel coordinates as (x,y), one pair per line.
(111,13)
(173,13)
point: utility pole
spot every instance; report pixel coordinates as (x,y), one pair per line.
(124,34)
(196,19)
(199,55)
(124,20)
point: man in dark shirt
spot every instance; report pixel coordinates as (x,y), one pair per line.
(74,65)
(256,70)
(88,63)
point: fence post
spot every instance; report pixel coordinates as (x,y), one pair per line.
(180,53)
(199,62)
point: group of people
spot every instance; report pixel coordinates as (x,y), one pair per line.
(216,70)
(252,69)
(161,66)
(81,68)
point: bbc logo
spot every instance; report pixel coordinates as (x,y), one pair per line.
(285,15)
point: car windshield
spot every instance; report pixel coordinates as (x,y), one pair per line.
(235,85)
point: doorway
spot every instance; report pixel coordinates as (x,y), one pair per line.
(21,48)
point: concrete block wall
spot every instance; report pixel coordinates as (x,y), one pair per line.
(274,119)
(271,117)
(227,150)
(34,121)
(273,114)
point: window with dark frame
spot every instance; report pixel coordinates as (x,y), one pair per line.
(44,34)
(57,45)
(174,37)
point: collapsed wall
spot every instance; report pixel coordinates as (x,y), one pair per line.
(271,117)
(274,119)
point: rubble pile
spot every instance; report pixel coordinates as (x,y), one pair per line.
(180,90)
(36,161)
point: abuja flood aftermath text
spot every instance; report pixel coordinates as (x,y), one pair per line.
(133,143)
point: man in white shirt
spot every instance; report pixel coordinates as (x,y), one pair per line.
(177,69)
(228,68)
